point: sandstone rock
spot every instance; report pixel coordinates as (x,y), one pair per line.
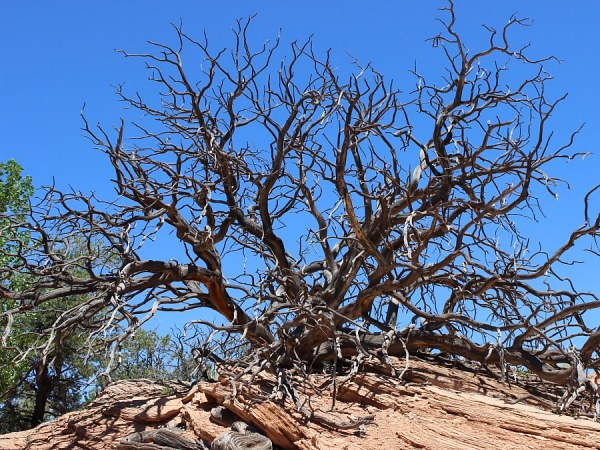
(433,407)
(145,411)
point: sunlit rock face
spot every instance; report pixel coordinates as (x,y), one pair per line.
(432,407)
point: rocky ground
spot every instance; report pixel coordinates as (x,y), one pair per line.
(433,407)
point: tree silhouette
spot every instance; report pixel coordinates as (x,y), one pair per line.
(330,219)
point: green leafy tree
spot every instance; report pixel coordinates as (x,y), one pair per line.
(29,382)
(15,192)
(150,355)
(146,355)
(53,377)
(15,189)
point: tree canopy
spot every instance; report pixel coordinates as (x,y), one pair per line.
(42,377)
(329,218)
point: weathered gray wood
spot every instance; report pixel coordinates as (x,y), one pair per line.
(160,439)
(141,446)
(239,426)
(335,423)
(233,440)
(222,416)
(242,427)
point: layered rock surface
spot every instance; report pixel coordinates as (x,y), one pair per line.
(434,407)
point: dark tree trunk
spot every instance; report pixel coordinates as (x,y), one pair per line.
(44,387)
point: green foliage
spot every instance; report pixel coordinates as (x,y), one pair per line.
(15,190)
(53,377)
(148,355)
(62,370)
(75,379)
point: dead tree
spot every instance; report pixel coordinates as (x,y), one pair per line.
(327,217)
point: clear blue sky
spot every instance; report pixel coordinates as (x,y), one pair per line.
(56,55)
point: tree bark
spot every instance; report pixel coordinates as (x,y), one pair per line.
(43,383)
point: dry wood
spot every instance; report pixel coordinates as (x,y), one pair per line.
(233,440)
(159,439)
(316,241)
(336,423)
(222,416)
